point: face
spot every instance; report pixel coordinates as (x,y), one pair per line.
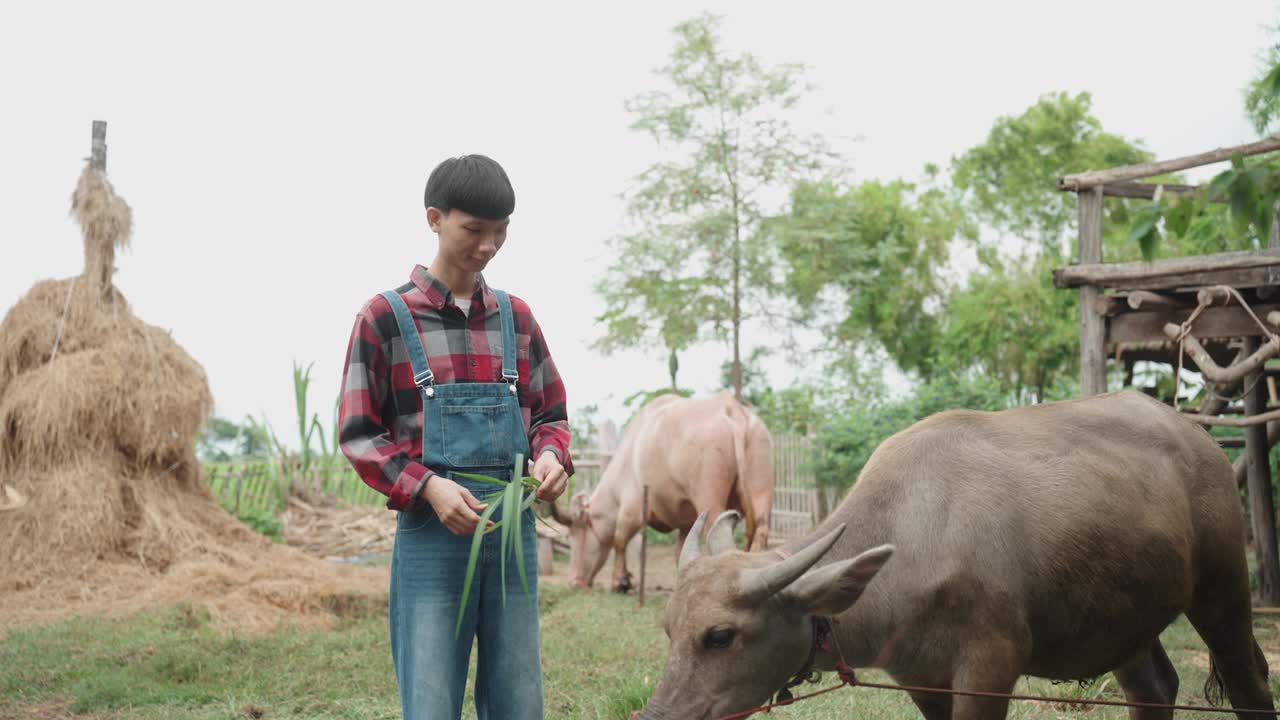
(727,654)
(467,242)
(738,622)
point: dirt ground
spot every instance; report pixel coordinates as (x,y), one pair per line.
(366,534)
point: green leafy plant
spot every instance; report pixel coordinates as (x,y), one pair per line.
(512,495)
(262,521)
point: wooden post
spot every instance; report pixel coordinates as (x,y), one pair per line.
(1262,513)
(99,157)
(1093,330)
(644,541)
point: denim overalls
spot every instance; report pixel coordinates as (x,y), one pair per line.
(476,428)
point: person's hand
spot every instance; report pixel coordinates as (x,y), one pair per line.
(455,505)
(550,475)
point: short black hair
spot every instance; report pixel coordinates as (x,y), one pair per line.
(474,184)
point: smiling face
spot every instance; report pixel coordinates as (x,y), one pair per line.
(467,242)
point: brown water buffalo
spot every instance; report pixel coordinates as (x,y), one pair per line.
(1056,540)
(706,454)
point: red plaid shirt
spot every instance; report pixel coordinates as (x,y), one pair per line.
(380,418)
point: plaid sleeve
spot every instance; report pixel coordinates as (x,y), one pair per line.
(366,413)
(548,413)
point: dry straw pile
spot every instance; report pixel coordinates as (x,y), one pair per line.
(102,505)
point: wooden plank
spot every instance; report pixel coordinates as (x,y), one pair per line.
(1241,278)
(1147,191)
(1087,180)
(1150,275)
(1093,330)
(1147,300)
(1217,322)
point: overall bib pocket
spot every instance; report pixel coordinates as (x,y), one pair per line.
(465,428)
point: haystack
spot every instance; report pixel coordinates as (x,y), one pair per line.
(103,507)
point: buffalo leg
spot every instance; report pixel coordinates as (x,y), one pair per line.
(1240,663)
(1221,613)
(934,706)
(1149,678)
(990,666)
(626,530)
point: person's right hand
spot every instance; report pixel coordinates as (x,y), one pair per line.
(456,507)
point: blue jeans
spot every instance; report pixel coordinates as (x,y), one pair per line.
(428,566)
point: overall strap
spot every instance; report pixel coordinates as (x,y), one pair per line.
(509,371)
(422,375)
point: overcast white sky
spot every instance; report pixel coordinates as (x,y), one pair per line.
(274,153)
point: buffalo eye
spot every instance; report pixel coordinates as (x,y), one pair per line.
(718,638)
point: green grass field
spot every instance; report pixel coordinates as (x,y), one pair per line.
(602,657)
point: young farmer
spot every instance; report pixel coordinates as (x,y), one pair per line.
(447,374)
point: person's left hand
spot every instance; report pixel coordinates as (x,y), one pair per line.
(550,475)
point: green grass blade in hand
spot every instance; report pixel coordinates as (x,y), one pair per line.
(482,478)
(518,545)
(510,497)
(476,538)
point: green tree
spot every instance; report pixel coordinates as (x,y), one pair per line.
(696,267)
(1011,325)
(1250,188)
(1009,181)
(1008,320)
(844,442)
(1262,96)
(223,440)
(880,246)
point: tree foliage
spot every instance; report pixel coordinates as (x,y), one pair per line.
(880,246)
(223,440)
(1008,320)
(1011,324)
(1262,96)
(695,268)
(1010,179)
(845,442)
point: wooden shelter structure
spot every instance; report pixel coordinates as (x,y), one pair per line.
(1216,314)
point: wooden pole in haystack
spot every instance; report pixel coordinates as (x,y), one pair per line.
(644,540)
(99,157)
(104,217)
(106,264)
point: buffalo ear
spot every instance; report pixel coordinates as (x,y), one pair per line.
(832,589)
(720,536)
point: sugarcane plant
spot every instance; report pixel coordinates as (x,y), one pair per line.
(517,494)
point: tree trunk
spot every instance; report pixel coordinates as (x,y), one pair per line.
(737,300)
(673,365)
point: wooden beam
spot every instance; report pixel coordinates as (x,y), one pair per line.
(1093,327)
(1147,300)
(1215,322)
(1088,180)
(1147,191)
(1132,274)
